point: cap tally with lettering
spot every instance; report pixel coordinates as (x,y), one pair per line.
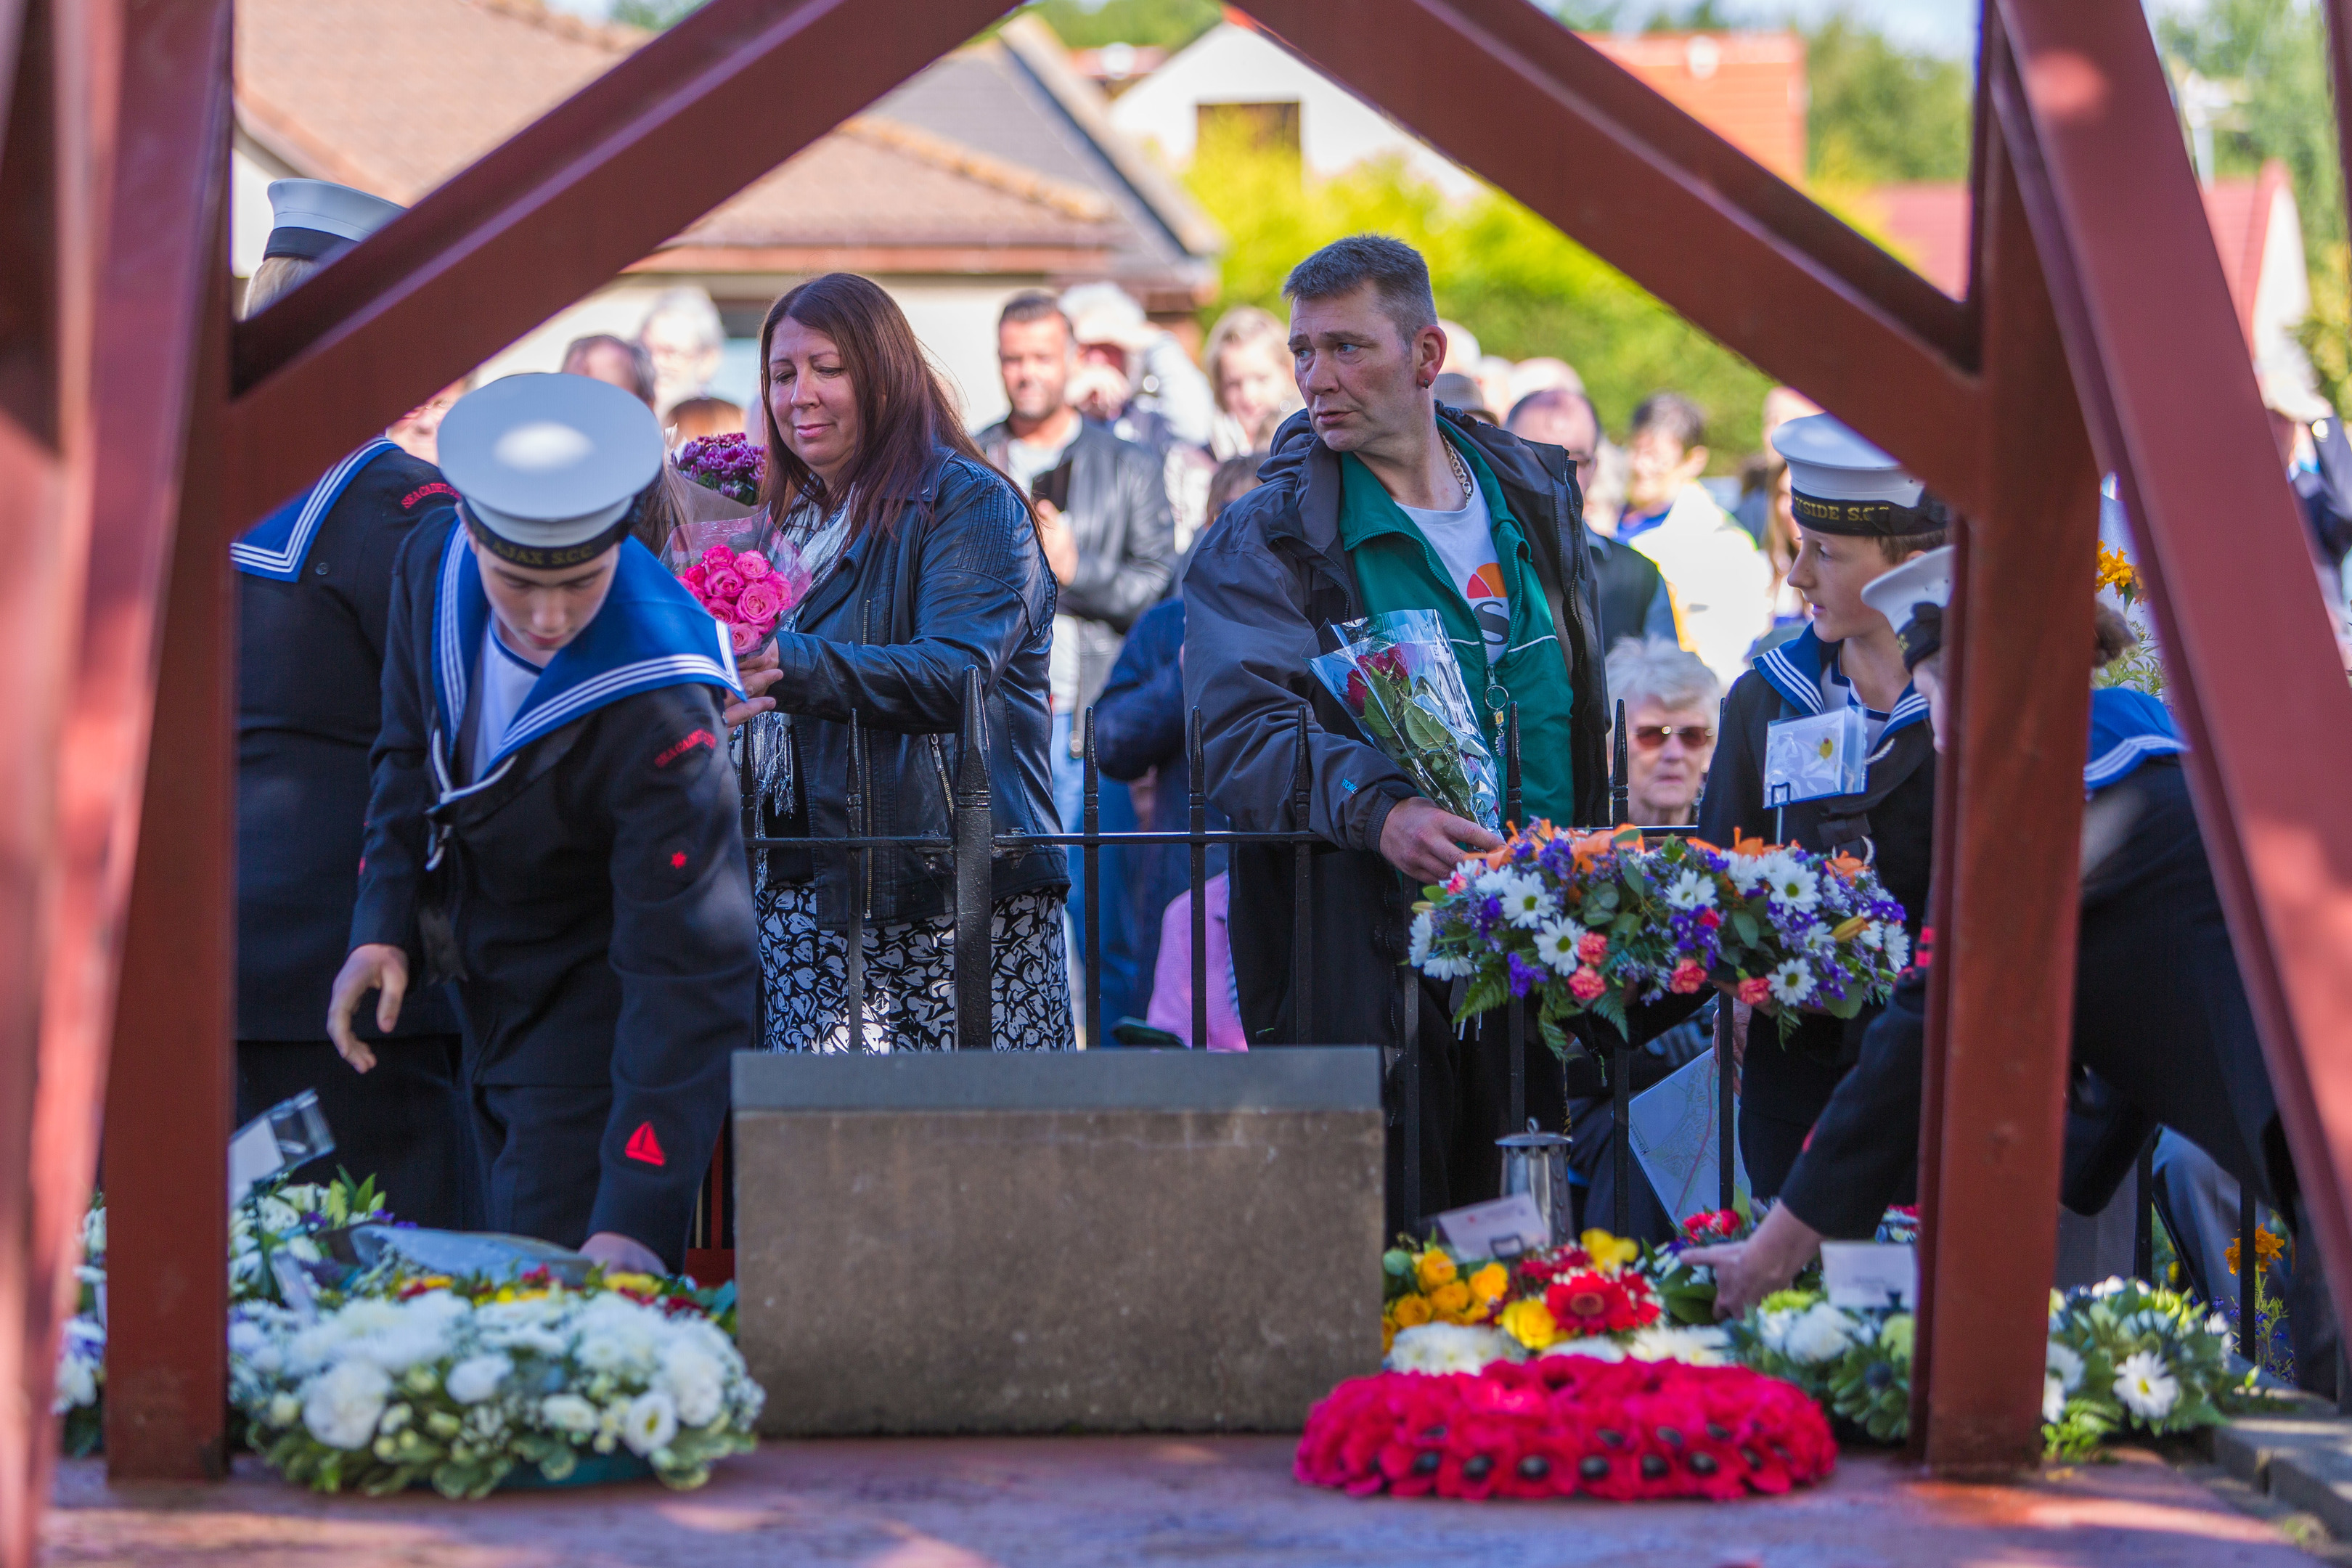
(316,218)
(550,469)
(1913,598)
(1840,483)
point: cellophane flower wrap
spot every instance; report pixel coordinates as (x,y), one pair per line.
(1600,923)
(1399,682)
(456,1383)
(729,463)
(748,590)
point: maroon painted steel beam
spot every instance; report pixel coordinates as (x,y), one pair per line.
(2009,810)
(597,182)
(1506,92)
(54,173)
(2174,410)
(162,290)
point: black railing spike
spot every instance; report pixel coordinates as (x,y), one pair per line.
(1302,878)
(1621,777)
(853,975)
(1197,826)
(1090,822)
(975,846)
(1514,810)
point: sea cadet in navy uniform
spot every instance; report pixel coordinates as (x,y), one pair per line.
(2160,1014)
(315,586)
(555,823)
(1862,516)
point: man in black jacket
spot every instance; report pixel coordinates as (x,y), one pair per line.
(314,592)
(1109,537)
(1269,581)
(554,824)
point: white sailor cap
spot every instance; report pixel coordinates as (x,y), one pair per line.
(1913,597)
(550,467)
(312,219)
(1840,483)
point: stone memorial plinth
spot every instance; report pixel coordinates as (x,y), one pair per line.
(1103,1241)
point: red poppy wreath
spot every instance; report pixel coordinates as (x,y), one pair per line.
(1560,1426)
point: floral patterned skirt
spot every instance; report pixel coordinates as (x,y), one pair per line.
(911,977)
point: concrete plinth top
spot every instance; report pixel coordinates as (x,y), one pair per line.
(1288,1078)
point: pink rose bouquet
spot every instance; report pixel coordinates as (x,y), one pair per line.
(746,591)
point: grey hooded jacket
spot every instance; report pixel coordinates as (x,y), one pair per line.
(1266,585)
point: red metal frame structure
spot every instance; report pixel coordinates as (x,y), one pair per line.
(2097,335)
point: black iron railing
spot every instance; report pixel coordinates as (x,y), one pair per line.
(974,844)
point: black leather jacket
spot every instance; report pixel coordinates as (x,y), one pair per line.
(1120,521)
(887,637)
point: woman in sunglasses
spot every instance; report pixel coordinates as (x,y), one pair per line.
(1670,699)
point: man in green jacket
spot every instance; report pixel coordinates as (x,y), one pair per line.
(1377,498)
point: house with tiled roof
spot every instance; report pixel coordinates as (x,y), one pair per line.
(1749,87)
(995,170)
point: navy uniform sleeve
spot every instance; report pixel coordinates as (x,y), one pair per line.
(1865,1149)
(685,945)
(400,788)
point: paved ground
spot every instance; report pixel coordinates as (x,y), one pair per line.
(1049,1503)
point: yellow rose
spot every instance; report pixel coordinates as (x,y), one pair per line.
(1530,1323)
(1434,1268)
(1411,1312)
(1608,1251)
(1450,1299)
(1490,1282)
(1388,1338)
(643,1284)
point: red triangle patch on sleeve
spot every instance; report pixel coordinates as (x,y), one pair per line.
(644,1145)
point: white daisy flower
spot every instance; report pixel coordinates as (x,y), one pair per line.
(1792,983)
(1424,926)
(2065,1365)
(1822,1334)
(1448,1347)
(1555,944)
(1898,946)
(1692,891)
(2053,1397)
(1792,885)
(2147,1389)
(1748,871)
(651,1422)
(1525,903)
(1448,966)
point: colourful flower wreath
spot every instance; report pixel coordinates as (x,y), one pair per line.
(1564,1425)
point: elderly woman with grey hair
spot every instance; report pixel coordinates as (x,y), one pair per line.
(1670,699)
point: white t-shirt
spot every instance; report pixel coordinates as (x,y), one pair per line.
(1025,463)
(1839,692)
(1465,542)
(502,682)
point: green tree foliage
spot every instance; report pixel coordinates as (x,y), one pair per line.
(2273,53)
(1511,277)
(1879,113)
(653,14)
(1090,24)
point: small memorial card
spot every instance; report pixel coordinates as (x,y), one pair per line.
(1503,1228)
(1806,759)
(1858,1275)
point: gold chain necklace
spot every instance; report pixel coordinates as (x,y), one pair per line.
(1461,471)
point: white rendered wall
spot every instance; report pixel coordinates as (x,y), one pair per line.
(1231,64)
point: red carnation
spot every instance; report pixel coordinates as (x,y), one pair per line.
(1592,947)
(1688,977)
(1755,992)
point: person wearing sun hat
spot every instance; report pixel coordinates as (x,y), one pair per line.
(1862,517)
(2161,1021)
(555,826)
(315,592)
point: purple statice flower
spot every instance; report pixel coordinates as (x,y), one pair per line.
(1525,976)
(1486,915)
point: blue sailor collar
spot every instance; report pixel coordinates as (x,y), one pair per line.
(275,546)
(651,633)
(1794,670)
(2127,727)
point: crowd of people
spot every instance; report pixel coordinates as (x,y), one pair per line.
(495,765)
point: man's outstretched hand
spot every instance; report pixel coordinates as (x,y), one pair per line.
(1747,1271)
(1425,841)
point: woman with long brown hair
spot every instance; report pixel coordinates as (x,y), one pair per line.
(926,564)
